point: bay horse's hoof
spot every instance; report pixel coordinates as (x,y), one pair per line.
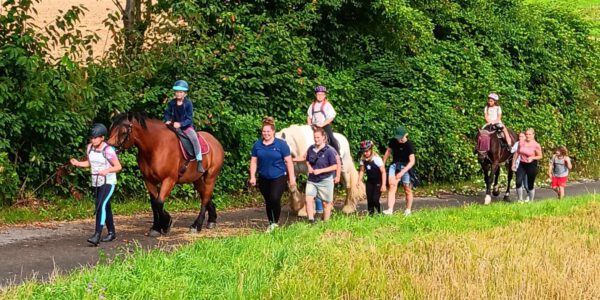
(194,230)
(167,228)
(506,199)
(487,200)
(496,193)
(211,225)
(154,233)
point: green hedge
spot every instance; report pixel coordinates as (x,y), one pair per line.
(425,64)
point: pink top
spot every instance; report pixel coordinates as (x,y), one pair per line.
(528,150)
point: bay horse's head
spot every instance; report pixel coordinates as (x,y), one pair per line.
(482,149)
(121,134)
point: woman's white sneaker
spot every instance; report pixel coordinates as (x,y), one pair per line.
(272,227)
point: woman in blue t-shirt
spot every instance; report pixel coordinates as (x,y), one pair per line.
(273,160)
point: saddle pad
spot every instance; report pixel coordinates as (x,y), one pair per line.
(187,149)
(203,144)
(483,141)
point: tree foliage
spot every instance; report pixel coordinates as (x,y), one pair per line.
(427,65)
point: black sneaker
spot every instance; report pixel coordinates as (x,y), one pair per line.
(94,239)
(111,236)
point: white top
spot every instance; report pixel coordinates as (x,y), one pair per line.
(493,113)
(320,113)
(376,159)
(514,149)
(100,161)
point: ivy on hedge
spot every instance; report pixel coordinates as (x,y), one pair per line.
(427,65)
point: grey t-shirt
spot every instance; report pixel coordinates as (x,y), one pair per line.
(559,168)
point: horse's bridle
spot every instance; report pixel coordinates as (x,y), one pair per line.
(121,142)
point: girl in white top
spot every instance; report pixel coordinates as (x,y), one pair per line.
(493,115)
(321,113)
(104,164)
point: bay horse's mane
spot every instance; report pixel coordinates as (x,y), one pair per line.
(139,116)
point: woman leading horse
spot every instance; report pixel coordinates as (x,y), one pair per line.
(162,163)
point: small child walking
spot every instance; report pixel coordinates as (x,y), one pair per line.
(104,164)
(373,166)
(558,170)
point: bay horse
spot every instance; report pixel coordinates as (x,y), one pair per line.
(299,138)
(161,163)
(491,154)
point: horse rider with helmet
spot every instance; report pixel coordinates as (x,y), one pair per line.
(180,113)
(321,113)
(493,117)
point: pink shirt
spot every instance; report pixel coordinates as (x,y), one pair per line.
(528,150)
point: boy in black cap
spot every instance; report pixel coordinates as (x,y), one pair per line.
(403,159)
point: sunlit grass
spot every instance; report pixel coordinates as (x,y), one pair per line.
(547,249)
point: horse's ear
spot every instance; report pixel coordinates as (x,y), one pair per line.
(115,112)
(283,135)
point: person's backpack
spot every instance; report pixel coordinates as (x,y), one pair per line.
(103,153)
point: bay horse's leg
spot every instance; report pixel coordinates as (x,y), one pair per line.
(205,186)
(508,180)
(212,214)
(488,181)
(153,191)
(496,172)
(165,218)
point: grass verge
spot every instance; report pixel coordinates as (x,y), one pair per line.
(548,249)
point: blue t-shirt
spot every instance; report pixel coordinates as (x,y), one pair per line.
(270,158)
(322,159)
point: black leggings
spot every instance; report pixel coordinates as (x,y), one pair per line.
(103,211)
(330,138)
(373,196)
(272,189)
(527,169)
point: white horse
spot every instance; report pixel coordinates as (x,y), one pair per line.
(299,138)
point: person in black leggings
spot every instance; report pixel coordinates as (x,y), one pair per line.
(530,152)
(373,166)
(273,160)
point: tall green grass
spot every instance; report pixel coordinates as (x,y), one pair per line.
(349,257)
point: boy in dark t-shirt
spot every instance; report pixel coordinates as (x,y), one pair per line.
(403,159)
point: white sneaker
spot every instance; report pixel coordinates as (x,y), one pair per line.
(388,211)
(407,212)
(272,227)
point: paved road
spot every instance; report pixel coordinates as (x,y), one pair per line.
(43,249)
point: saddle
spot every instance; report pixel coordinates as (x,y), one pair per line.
(187,149)
(485,136)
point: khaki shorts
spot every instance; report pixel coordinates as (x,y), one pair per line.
(322,189)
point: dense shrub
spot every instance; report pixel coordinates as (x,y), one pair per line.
(425,64)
